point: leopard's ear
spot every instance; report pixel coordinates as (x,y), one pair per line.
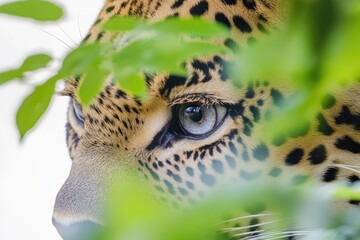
(65,92)
(68,87)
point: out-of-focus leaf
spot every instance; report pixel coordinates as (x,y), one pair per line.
(35,62)
(10,75)
(91,85)
(137,206)
(145,54)
(34,106)
(154,56)
(194,27)
(31,63)
(81,60)
(314,53)
(155,220)
(342,59)
(37,10)
(348,193)
(130,80)
(122,24)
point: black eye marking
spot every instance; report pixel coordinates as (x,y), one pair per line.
(162,138)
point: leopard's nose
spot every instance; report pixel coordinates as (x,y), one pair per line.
(77,230)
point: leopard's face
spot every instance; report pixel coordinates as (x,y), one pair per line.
(194,133)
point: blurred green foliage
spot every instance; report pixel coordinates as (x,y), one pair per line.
(124,63)
(34,9)
(316,52)
(31,63)
(299,210)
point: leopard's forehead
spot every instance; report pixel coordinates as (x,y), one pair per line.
(208,79)
(247,18)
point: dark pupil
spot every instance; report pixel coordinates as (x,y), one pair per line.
(194,113)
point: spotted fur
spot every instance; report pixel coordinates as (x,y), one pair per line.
(120,133)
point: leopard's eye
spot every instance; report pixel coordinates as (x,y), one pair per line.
(78,112)
(197,120)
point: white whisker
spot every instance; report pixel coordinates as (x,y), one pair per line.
(78,24)
(347,167)
(57,38)
(249,226)
(248,216)
(288,235)
(66,34)
(352,166)
(276,235)
(260,236)
(248,233)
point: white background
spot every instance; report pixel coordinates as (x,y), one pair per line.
(32,172)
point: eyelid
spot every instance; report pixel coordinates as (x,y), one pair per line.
(202,98)
(68,89)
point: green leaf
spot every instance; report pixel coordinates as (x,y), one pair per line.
(154,56)
(10,75)
(91,85)
(122,24)
(348,193)
(34,106)
(130,80)
(81,60)
(194,27)
(37,10)
(315,52)
(35,62)
(31,63)
(138,204)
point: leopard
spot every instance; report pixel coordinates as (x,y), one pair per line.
(193,133)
